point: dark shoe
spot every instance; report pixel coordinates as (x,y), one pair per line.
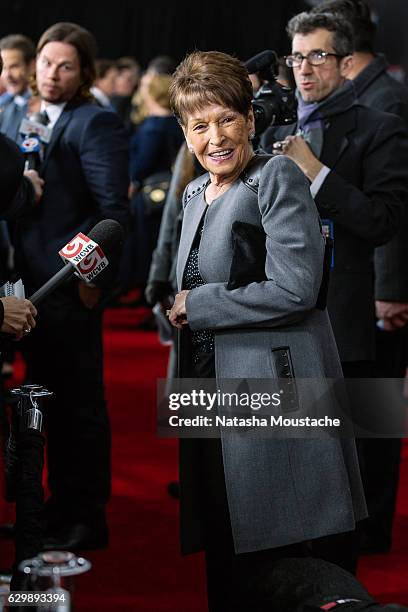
(78,537)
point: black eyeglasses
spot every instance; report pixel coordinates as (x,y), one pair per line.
(314,58)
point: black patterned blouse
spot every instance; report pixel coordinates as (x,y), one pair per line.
(203,339)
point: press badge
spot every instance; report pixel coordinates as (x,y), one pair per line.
(328,232)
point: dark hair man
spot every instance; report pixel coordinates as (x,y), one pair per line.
(352,156)
(86,180)
(125,86)
(128,77)
(104,85)
(18,56)
(162,64)
(377,89)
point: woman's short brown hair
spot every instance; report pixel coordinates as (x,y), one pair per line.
(210,77)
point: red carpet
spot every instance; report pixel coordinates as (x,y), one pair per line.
(142,570)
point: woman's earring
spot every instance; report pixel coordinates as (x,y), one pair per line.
(251,135)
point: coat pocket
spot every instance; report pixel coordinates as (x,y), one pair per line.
(282,366)
(249,255)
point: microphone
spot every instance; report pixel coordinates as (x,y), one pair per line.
(88,257)
(35,132)
(260,61)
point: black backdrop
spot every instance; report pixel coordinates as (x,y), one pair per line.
(152,27)
(148,28)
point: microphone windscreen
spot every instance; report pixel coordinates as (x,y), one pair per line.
(260,61)
(108,233)
(110,236)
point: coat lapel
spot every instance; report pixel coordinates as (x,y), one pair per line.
(285,130)
(336,138)
(192,217)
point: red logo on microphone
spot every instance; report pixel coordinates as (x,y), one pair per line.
(85,255)
(80,243)
(92,265)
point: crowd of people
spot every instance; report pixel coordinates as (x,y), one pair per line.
(232,241)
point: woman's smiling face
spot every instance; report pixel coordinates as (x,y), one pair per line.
(220,138)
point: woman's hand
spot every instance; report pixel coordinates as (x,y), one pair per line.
(178,313)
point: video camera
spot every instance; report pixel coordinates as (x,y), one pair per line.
(273,104)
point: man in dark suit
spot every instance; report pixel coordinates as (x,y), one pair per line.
(104,85)
(375,88)
(18,55)
(353,157)
(85,172)
(126,84)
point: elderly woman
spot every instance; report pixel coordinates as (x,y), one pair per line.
(248,500)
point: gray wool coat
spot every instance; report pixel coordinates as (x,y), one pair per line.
(279,491)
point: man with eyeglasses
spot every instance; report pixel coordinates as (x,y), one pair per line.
(375,88)
(354,158)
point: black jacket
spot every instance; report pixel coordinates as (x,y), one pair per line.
(85,170)
(375,88)
(364,196)
(17,192)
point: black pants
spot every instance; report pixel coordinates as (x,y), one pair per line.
(235,582)
(64,353)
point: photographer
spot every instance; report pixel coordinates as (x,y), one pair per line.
(350,154)
(375,88)
(352,157)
